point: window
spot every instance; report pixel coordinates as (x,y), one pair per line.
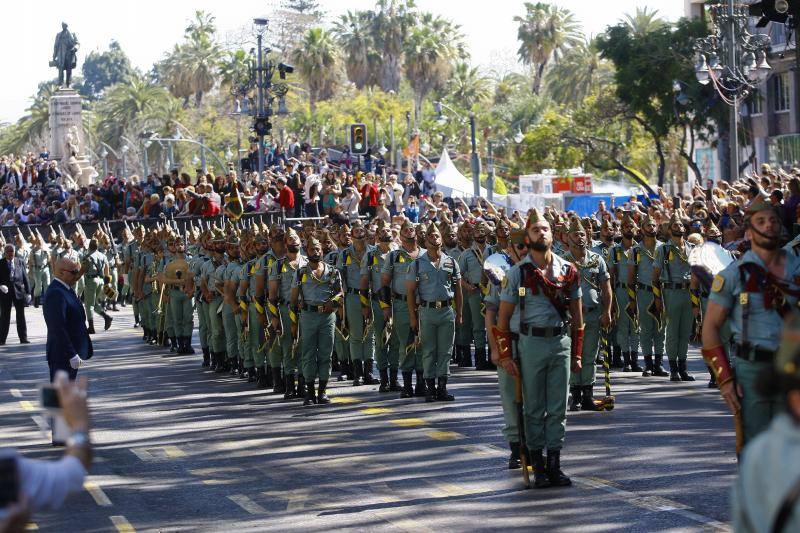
(781,92)
(755,103)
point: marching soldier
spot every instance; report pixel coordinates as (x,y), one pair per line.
(96,271)
(603,247)
(177,276)
(627,324)
(199,258)
(253,282)
(394,275)
(463,330)
(547,291)
(640,282)
(596,290)
(671,285)
(319,286)
(212,283)
(227,283)
(755,294)
(470,263)
(39,267)
(434,281)
(146,286)
(275,353)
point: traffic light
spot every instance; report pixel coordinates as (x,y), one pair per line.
(358,139)
(780,11)
(262,126)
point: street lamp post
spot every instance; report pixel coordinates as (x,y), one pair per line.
(475,160)
(104,156)
(124,151)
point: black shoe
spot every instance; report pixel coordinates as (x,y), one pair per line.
(575,404)
(616,357)
(673,370)
(206,358)
(481,363)
(357,371)
(90,329)
(289,391)
(712,380)
(587,400)
(268,376)
(173,345)
(554,473)
(368,379)
(311,397)
(658,366)
(430,390)
(322,397)
(24,341)
(627,366)
(540,478)
(393,385)
(384,381)
(222,362)
(252,375)
(684,375)
(635,362)
(513,459)
(407,392)
(277,380)
(419,389)
(301,385)
(187,345)
(441,392)
(261,378)
(464,354)
(648,366)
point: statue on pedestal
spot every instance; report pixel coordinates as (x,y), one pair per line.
(65,55)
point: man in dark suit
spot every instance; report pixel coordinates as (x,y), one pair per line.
(14,292)
(68,342)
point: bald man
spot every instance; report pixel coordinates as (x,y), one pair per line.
(68,342)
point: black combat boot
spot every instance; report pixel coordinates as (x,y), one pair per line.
(322,397)
(277,380)
(357,370)
(145,334)
(252,375)
(648,366)
(301,385)
(540,479)
(712,380)
(408,392)
(616,357)
(634,358)
(136,321)
(173,345)
(554,473)
(575,404)
(368,379)
(222,358)
(441,392)
(261,378)
(393,385)
(236,367)
(685,376)
(587,401)
(627,357)
(311,397)
(187,345)
(430,390)
(384,381)
(419,389)
(673,370)
(464,356)
(36,301)
(289,392)
(513,459)
(213,359)
(658,366)
(268,374)
(90,330)
(481,363)
(206,357)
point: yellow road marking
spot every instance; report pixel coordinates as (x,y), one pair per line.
(16,393)
(210,471)
(122,524)
(445,435)
(31,526)
(97,493)
(173,452)
(230,481)
(26,405)
(297,499)
(452,489)
(376,410)
(408,422)
(344,399)
(247,504)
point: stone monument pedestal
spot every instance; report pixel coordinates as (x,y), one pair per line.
(67,137)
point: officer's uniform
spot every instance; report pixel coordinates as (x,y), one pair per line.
(651,337)
(146,309)
(463,330)
(627,330)
(273,353)
(341,343)
(180,307)
(600,247)
(675,282)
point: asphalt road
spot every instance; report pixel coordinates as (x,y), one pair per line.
(182,449)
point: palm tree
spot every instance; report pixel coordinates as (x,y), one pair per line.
(468,86)
(133,105)
(644,21)
(506,86)
(317,61)
(203,25)
(432,47)
(235,68)
(393,22)
(545,33)
(578,74)
(354,31)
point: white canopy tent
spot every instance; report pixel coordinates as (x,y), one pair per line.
(451,182)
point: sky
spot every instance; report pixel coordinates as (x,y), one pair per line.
(146,29)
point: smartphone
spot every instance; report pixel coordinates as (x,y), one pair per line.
(676,202)
(48,398)
(9,480)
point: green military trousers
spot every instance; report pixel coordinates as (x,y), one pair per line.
(202,321)
(92,295)
(437,332)
(385,356)
(145,312)
(464,331)
(182,316)
(627,334)
(508,390)
(355,320)
(473,300)
(41,280)
(591,346)
(410,359)
(217,325)
(286,344)
(255,339)
(679,319)
(757,411)
(545,374)
(651,339)
(316,338)
(233,330)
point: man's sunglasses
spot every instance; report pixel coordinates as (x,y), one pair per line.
(73,272)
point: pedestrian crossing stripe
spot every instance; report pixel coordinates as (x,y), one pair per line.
(445,435)
(344,399)
(408,422)
(26,405)
(376,410)
(122,524)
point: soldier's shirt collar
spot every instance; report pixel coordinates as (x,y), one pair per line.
(751,257)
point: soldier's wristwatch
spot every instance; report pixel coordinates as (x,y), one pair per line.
(78,438)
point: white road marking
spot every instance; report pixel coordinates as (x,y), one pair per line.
(16,393)
(97,493)
(247,504)
(122,524)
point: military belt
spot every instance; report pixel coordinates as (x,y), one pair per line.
(618,285)
(315,308)
(441,304)
(679,285)
(532,331)
(398,296)
(754,354)
(352,291)
(643,287)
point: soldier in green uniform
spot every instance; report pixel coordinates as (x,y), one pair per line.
(349,265)
(463,330)
(470,263)
(319,286)
(627,327)
(231,318)
(281,279)
(212,283)
(596,290)
(603,247)
(146,287)
(199,257)
(547,291)
(395,273)
(755,294)
(372,308)
(79,244)
(177,277)
(39,261)
(434,282)
(249,338)
(640,283)
(671,285)
(95,270)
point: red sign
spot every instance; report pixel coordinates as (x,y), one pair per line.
(561,185)
(582,185)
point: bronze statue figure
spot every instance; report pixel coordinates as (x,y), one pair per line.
(65,55)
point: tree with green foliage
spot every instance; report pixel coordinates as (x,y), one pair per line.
(103,69)
(579,73)
(354,31)
(467,86)
(317,61)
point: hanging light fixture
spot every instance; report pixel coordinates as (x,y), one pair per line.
(519,136)
(701,70)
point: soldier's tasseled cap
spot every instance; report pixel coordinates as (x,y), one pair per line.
(518,235)
(432,230)
(675,219)
(628,219)
(575,225)
(218,235)
(787,360)
(606,225)
(534,217)
(313,241)
(407,224)
(648,219)
(291,233)
(276,232)
(759,203)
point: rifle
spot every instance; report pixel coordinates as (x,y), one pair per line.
(523,442)
(607,403)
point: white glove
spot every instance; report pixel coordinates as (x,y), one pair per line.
(76,362)
(3,289)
